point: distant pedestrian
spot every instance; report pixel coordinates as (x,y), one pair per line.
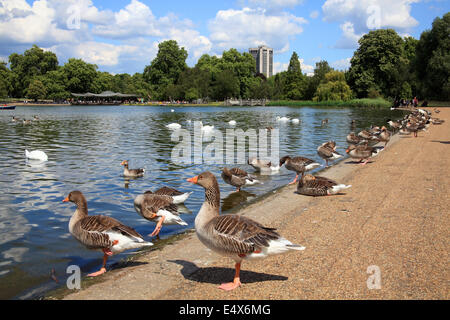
(415,102)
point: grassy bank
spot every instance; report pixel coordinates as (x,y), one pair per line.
(360,103)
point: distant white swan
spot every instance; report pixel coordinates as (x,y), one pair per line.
(232,123)
(174,126)
(171,110)
(36,155)
(283,119)
(295,121)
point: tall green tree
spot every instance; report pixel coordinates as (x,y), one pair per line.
(5,80)
(295,81)
(33,62)
(167,66)
(333,88)
(432,63)
(321,69)
(36,90)
(80,75)
(378,64)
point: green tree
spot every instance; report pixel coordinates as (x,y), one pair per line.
(379,63)
(432,63)
(36,90)
(5,80)
(165,69)
(295,81)
(55,82)
(322,68)
(34,62)
(226,85)
(80,75)
(333,88)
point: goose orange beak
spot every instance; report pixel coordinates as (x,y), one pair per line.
(122,163)
(66,199)
(193,180)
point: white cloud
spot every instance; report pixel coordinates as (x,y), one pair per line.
(343,64)
(314,14)
(274,3)
(358,17)
(242,29)
(306,68)
(279,67)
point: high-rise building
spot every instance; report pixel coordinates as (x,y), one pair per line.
(264,60)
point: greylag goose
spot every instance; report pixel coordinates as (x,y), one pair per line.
(352,138)
(262,165)
(231,235)
(325,121)
(237,177)
(394,125)
(327,151)
(131,172)
(366,135)
(299,165)
(159,209)
(412,127)
(361,152)
(384,136)
(178,197)
(315,186)
(101,232)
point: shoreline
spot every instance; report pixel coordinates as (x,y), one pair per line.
(337,231)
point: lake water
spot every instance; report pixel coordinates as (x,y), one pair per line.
(85,146)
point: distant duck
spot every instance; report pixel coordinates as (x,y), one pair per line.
(15,119)
(232,122)
(171,110)
(35,118)
(159,209)
(327,151)
(325,121)
(232,235)
(178,197)
(26,122)
(361,152)
(101,232)
(295,121)
(352,138)
(36,155)
(131,172)
(262,165)
(237,178)
(174,126)
(282,119)
(298,164)
(315,186)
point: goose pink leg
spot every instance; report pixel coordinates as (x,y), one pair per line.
(236,281)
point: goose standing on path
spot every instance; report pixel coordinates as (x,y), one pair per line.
(361,152)
(237,178)
(299,165)
(315,186)
(159,209)
(231,235)
(101,232)
(384,136)
(327,151)
(352,138)
(131,172)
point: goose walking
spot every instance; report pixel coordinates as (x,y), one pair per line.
(299,165)
(101,232)
(131,172)
(315,186)
(159,209)
(237,178)
(231,235)
(327,151)
(178,197)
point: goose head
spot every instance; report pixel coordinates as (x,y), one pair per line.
(124,163)
(284,159)
(76,197)
(350,148)
(206,179)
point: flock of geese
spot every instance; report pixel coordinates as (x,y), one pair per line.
(237,237)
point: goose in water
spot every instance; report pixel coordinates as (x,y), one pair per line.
(231,235)
(325,121)
(36,155)
(173,126)
(178,197)
(264,166)
(101,232)
(298,164)
(316,186)
(327,151)
(131,172)
(361,152)
(237,178)
(159,209)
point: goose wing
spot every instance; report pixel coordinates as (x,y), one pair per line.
(152,203)
(166,191)
(325,152)
(241,235)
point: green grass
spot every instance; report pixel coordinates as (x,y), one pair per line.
(360,103)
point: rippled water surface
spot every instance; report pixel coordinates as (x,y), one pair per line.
(86,145)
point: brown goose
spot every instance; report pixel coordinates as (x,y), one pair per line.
(361,152)
(263,166)
(315,186)
(231,235)
(365,135)
(352,138)
(299,165)
(395,125)
(237,177)
(327,151)
(159,209)
(177,196)
(101,232)
(384,136)
(412,127)
(131,172)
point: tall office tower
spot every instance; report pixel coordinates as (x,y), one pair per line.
(264,60)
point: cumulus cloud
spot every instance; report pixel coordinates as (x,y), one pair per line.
(242,29)
(342,64)
(274,3)
(358,17)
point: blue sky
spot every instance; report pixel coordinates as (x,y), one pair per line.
(122,36)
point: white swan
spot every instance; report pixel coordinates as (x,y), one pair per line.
(295,121)
(174,126)
(232,123)
(283,119)
(36,155)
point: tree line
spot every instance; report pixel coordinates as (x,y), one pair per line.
(384,65)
